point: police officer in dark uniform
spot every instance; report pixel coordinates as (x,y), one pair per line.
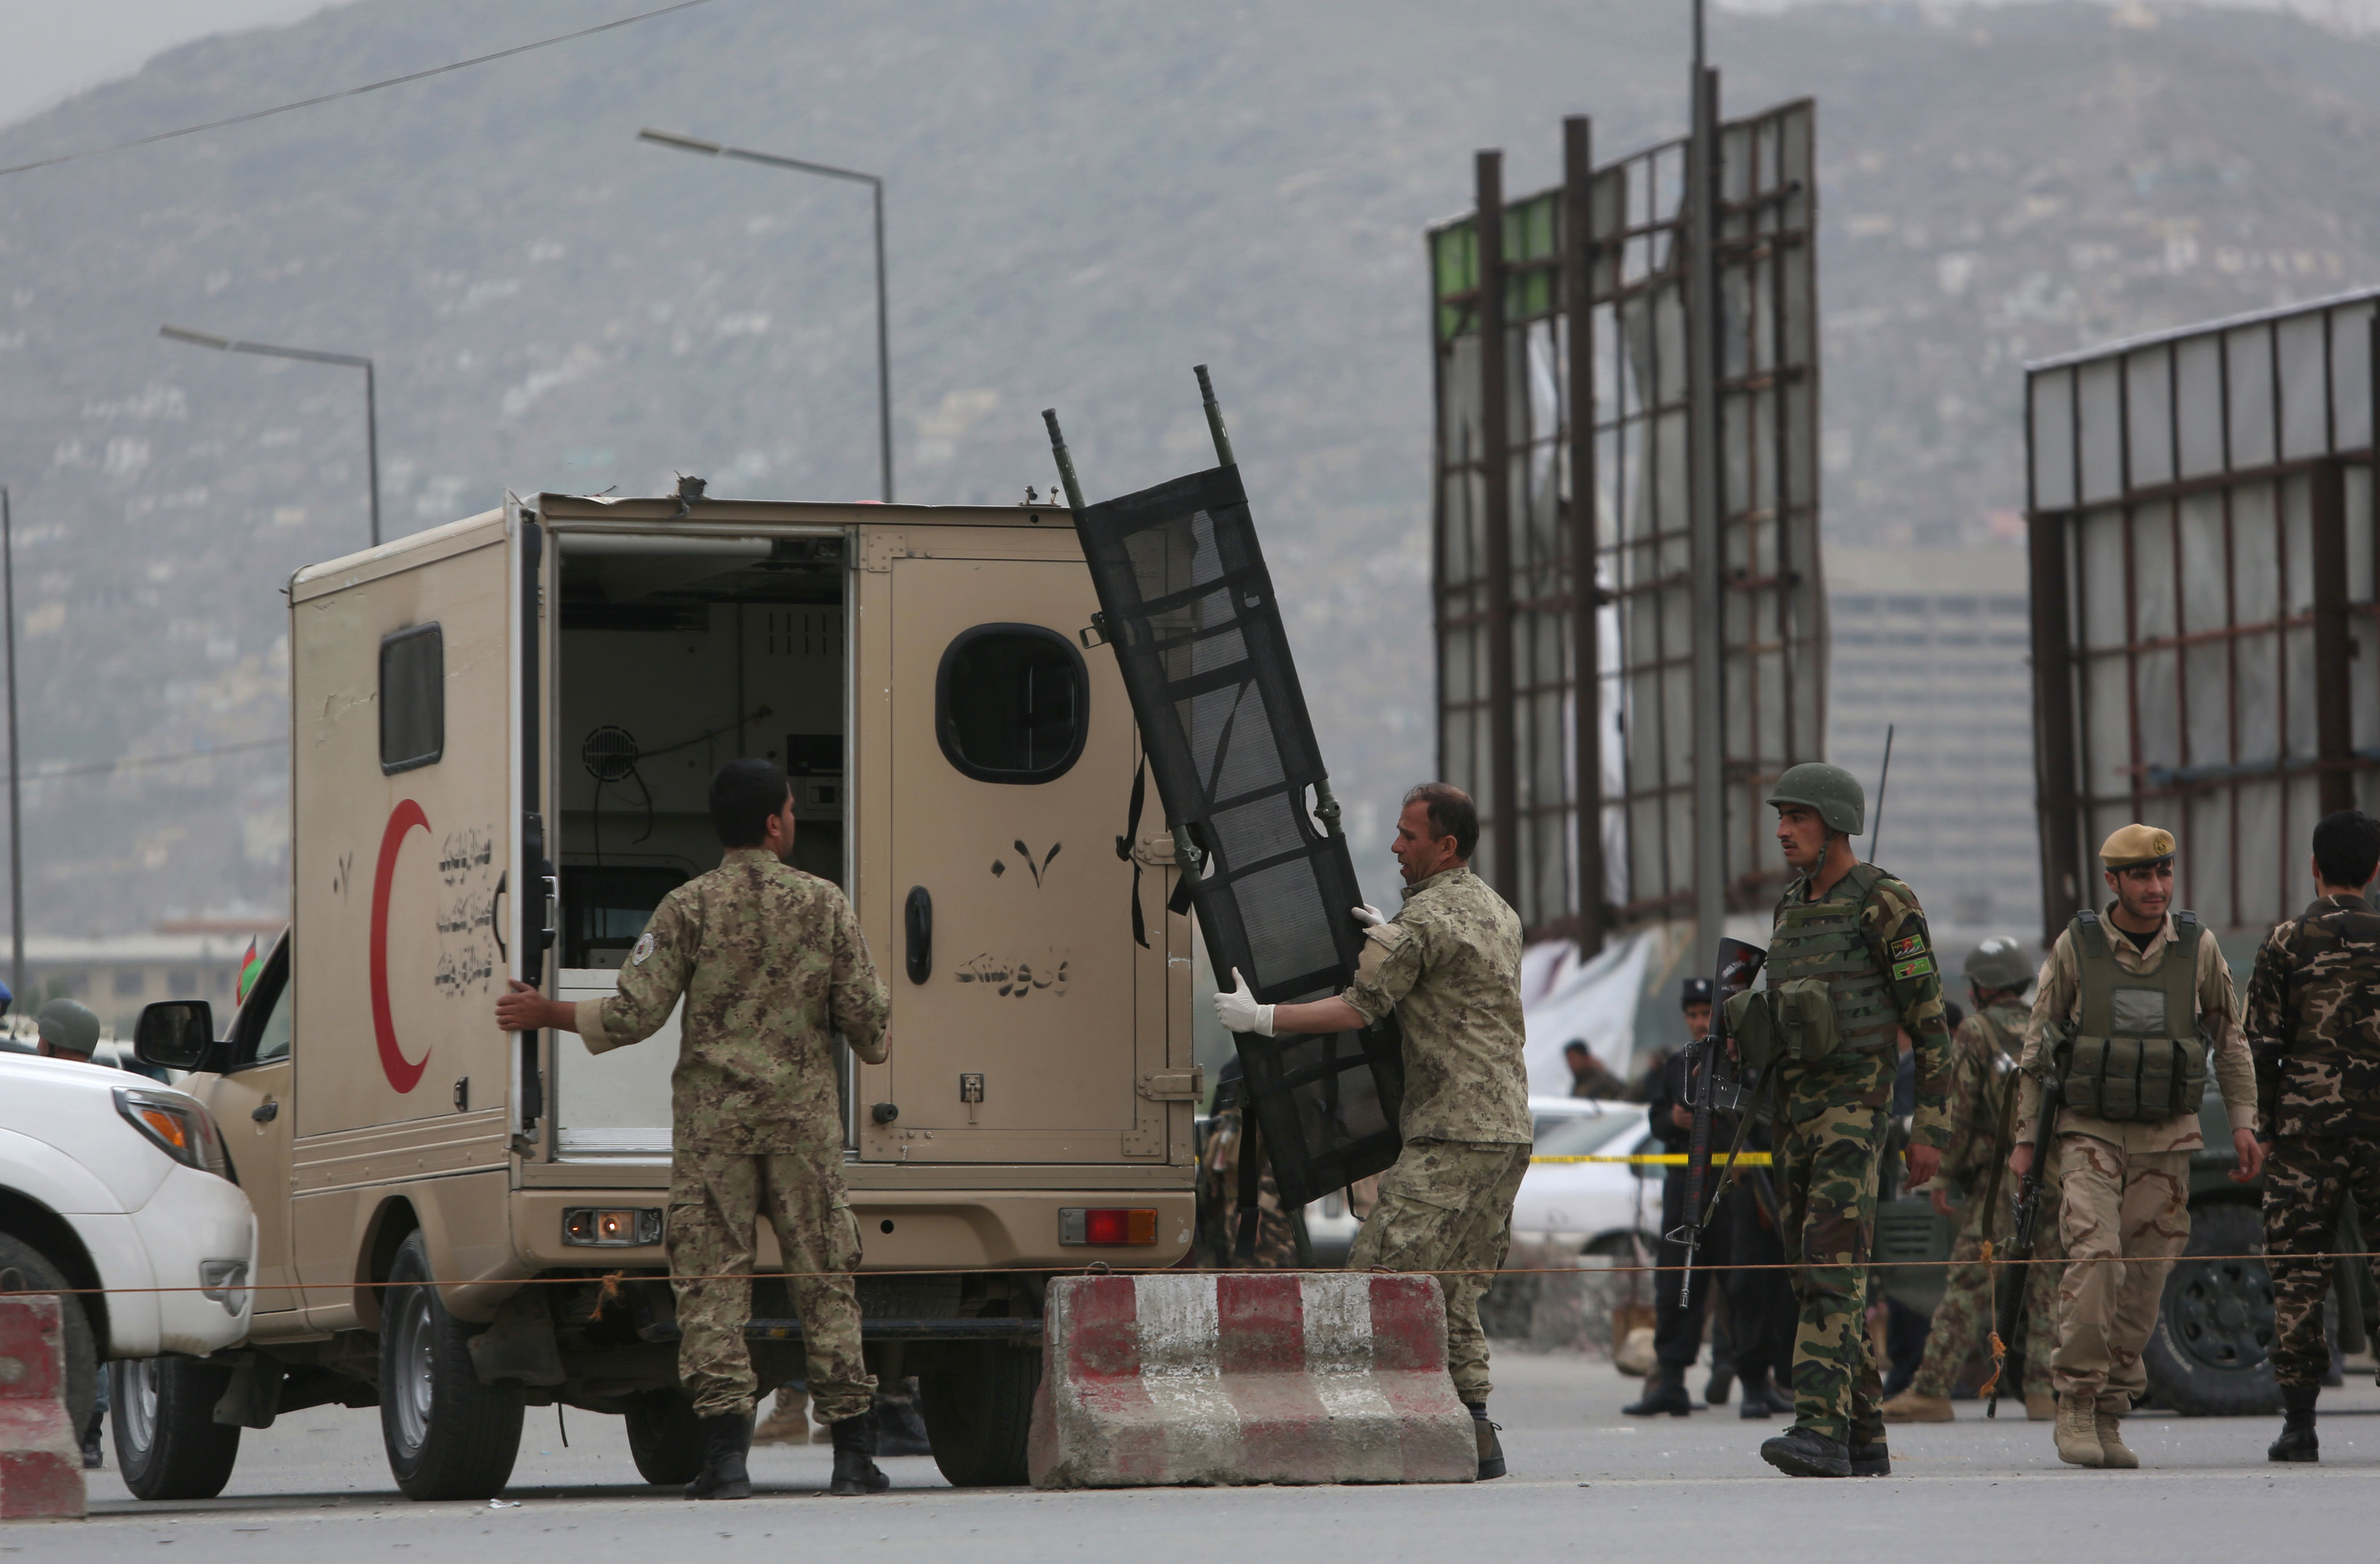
(1678,1327)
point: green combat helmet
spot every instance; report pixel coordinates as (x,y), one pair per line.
(1998,962)
(1830,790)
(70,1029)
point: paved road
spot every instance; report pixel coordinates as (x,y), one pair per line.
(1586,1481)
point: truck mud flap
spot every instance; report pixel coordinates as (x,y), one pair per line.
(1188,605)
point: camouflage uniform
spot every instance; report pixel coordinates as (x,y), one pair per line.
(2125,1211)
(1220,1191)
(772,965)
(1835,1114)
(1983,1071)
(1449,965)
(2315,1002)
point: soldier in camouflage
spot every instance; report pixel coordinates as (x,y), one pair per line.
(1276,1246)
(1982,1111)
(771,965)
(2313,1023)
(2140,997)
(1449,965)
(1860,934)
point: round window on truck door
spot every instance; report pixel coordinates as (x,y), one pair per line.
(1012,703)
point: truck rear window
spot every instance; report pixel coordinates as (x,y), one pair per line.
(1011,704)
(412,698)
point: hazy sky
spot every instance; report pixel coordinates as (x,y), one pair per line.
(52,49)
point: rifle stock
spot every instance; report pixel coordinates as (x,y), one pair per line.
(2009,1313)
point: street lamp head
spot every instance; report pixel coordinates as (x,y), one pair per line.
(201,339)
(684,144)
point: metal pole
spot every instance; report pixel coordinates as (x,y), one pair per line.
(16,815)
(1883,780)
(371,447)
(1706,506)
(1503,801)
(1586,601)
(883,357)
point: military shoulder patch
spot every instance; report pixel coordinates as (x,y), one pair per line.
(1908,945)
(644,948)
(1902,971)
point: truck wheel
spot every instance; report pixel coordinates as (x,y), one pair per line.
(664,1438)
(977,1418)
(24,1269)
(168,1444)
(2211,1354)
(448,1436)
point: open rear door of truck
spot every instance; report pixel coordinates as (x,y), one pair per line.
(1189,607)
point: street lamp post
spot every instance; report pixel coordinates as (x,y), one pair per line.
(16,819)
(371,399)
(876,184)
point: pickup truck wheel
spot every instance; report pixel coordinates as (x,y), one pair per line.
(448,1436)
(663,1436)
(2211,1354)
(24,1269)
(977,1418)
(168,1444)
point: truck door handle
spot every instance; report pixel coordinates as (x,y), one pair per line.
(265,1112)
(917,922)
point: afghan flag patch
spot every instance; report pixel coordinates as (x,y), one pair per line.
(1903,971)
(1908,945)
(252,967)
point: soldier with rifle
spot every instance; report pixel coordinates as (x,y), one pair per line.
(1982,1118)
(2135,1004)
(1853,960)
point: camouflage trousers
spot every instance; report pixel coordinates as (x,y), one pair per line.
(2124,1217)
(1835,1114)
(716,1202)
(1276,1246)
(2306,1179)
(1447,1206)
(1964,1318)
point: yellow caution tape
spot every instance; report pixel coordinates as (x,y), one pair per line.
(1667,1160)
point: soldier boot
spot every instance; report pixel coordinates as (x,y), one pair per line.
(725,1439)
(2107,1420)
(2297,1441)
(1756,1404)
(1722,1380)
(1914,1406)
(1665,1391)
(2040,1406)
(1804,1452)
(856,1471)
(1871,1461)
(1491,1448)
(2078,1431)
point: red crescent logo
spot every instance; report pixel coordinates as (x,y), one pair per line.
(402,1074)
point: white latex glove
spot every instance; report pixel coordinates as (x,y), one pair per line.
(1369,916)
(1239,1013)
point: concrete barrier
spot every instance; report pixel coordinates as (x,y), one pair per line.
(1255,1376)
(41,1459)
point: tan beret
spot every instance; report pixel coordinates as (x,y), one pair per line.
(2134,845)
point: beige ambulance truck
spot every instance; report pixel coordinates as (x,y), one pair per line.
(502,732)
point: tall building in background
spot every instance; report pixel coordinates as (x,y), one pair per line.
(1933,642)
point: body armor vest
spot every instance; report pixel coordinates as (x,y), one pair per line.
(1823,939)
(2138,1055)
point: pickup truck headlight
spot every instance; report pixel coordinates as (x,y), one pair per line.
(177,1126)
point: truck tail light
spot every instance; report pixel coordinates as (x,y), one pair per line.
(629,1227)
(177,1126)
(1107,1225)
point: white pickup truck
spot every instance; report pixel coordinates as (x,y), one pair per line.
(117,1192)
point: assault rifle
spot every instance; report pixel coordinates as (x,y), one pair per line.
(1707,1095)
(2009,1316)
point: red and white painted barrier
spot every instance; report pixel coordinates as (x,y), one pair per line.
(41,1459)
(1255,1376)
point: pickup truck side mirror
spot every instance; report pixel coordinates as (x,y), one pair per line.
(175,1033)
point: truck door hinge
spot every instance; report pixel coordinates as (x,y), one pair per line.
(1174,1085)
(878,549)
(1156,852)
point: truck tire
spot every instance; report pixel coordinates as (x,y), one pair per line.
(978,1418)
(448,1436)
(24,1269)
(2211,1354)
(663,1436)
(168,1444)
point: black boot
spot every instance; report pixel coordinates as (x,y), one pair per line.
(1722,1380)
(1491,1448)
(856,1471)
(2297,1441)
(1665,1391)
(1780,1396)
(725,1439)
(1869,1457)
(1756,1395)
(1806,1452)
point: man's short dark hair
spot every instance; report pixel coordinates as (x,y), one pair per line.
(2347,847)
(743,796)
(1576,1045)
(1452,813)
